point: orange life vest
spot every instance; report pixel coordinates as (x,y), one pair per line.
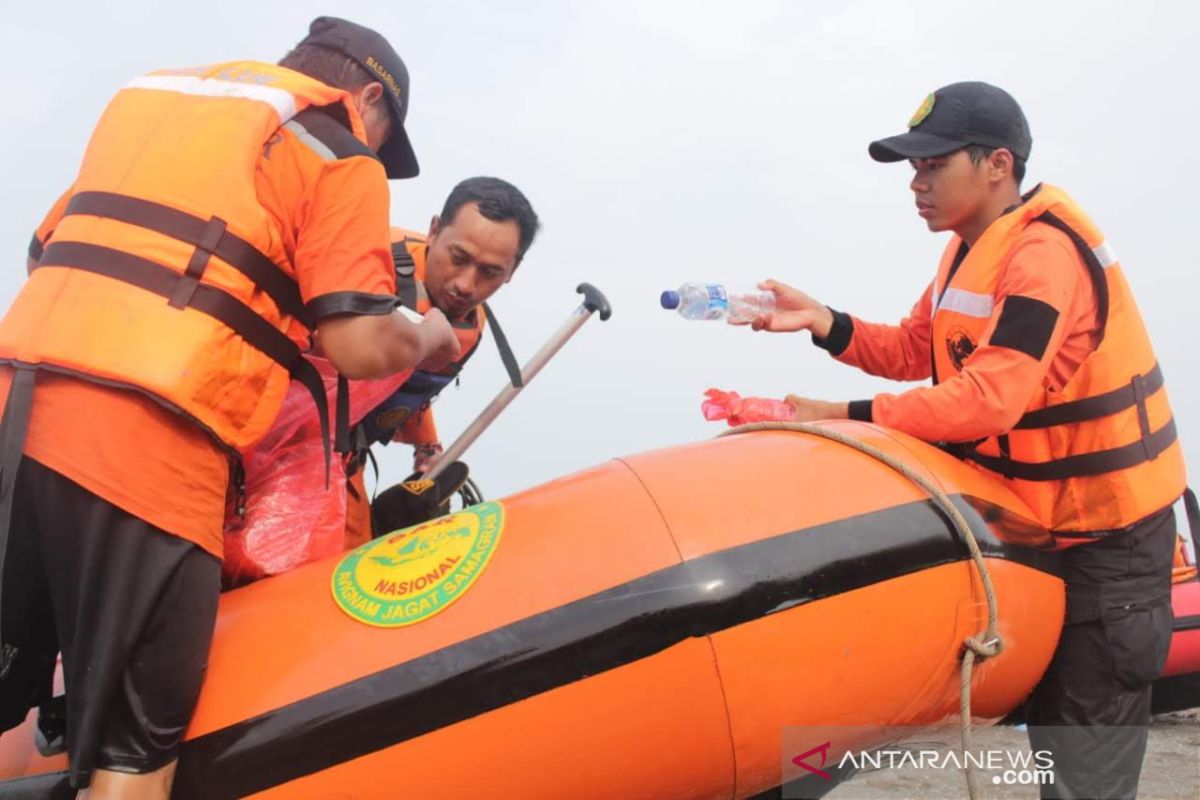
(166,275)
(1101,453)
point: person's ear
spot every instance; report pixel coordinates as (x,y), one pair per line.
(435,225)
(1000,164)
(372,93)
(367,96)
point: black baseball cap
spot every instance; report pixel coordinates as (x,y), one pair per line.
(955,116)
(373,53)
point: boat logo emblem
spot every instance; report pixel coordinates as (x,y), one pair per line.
(416,572)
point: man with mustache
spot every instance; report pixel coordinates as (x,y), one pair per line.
(473,247)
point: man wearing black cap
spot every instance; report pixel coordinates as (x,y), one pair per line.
(349,56)
(1044,378)
(222,216)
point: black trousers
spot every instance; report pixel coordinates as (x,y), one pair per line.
(132,609)
(1091,710)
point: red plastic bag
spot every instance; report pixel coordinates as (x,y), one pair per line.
(740,410)
(291,517)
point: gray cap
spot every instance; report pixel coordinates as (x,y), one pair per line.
(373,53)
(958,115)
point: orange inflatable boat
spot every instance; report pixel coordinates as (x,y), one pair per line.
(643,629)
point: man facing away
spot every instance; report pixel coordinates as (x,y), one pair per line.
(1044,376)
(221,215)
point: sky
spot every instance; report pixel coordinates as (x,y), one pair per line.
(670,141)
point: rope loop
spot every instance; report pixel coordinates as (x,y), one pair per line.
(990,648)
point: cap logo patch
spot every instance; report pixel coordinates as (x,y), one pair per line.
(387,78)
(922,112)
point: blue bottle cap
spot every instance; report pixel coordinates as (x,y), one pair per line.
(669,299)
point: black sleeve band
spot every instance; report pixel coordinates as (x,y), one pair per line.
(356,303)
(35,248)
(839,334)
(1025,325)
(860,410)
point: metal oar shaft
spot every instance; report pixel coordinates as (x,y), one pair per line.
(593,301)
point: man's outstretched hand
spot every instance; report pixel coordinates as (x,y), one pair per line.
(794,311)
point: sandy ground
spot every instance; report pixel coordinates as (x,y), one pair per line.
(1171,770)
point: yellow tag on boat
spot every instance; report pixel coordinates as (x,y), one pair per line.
(416,572)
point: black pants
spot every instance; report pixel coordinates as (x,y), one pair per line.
(1091,710)
(131,608)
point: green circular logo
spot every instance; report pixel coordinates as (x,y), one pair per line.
(921,113)
(414,573)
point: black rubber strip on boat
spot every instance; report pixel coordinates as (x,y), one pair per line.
(585,637)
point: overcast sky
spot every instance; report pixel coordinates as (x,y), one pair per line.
(663,142)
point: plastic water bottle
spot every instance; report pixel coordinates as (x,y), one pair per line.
(715,301)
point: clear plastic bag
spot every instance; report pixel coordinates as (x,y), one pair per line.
(291,517)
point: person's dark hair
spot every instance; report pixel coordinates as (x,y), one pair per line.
(499,201)
(328,66)
(979,152)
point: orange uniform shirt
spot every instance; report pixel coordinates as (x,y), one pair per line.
(997,383)
(332,217)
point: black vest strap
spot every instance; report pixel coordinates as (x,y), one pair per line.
(201,234)
(406,281)
(1193,515)
(210,240)
(224,307)
(506,353)
(1094,267)
(1006,462)
(1144,449)
(1102,405)
(342,414)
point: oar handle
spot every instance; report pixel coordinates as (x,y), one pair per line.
(594,300)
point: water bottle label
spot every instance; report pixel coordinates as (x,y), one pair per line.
(717,297)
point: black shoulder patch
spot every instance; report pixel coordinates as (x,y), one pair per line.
(1025,325)
(328,137)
